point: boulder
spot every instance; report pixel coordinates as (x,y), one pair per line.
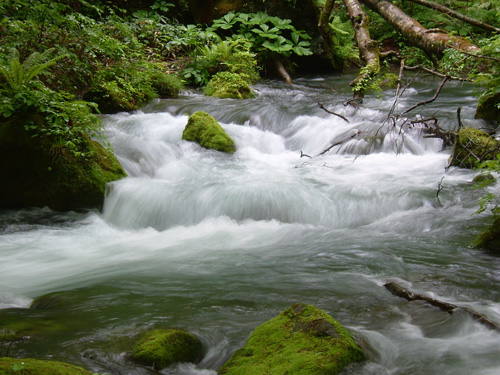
(28,366)
(229,85)
(487,108)
(162,347)
(301,340)
(473,146)
(42,171)
(490,238)
(206,131)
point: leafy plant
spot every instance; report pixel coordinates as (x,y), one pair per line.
(268,35)
(18,75)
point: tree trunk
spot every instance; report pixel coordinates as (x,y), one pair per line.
(323,16)
(431,41)
(368,48)
(457,15)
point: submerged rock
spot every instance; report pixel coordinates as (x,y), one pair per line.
(40,171)
(301,340)
(160,348)
(28,366)
(229,85)
(206,131)
(473,146)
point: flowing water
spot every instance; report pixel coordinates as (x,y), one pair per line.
(217,244)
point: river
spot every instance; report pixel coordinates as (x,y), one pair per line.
(218,244)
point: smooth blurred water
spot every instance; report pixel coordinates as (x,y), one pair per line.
(218,244)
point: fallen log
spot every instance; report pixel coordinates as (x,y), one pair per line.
(450,308)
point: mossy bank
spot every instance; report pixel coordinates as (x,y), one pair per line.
(39,170)
(28,366)
(302,340)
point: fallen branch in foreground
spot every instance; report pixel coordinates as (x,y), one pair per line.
(399,291)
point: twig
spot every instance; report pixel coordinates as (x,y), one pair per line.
(445,79)
(436,73)
(332,113)
(440,187)
(304,155)
(339,143)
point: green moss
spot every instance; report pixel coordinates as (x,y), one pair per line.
(229,85)
(487,108)
(302,340)
(166,85)
(42,172)
(28,366)
(473,146)
(206,131)
(161,348)
(484,179)
(388,81)
(490,238)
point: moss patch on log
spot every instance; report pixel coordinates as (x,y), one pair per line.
(302,340)
(206,131)
(160,348)
(40,171)
(28,366)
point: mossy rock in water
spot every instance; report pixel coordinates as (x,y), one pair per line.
(206,131)
(487,108)
(473,147)
(42,171)
(229,85)
(28,366)
(301,340)
(490,238)
(166,85)
(162,347)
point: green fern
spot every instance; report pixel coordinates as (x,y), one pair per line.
(18,74)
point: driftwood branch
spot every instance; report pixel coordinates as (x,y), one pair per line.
(445,79)
(332,113)
(457,15)
(399,291)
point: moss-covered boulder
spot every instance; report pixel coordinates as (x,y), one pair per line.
(43,171)
(166,85)
(206,131)
(487,108)
(28,366)
(162,347)
(490,238)
(229,85)
(473,146)
(301,340)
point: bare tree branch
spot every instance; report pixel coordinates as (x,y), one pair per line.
(332,113)
(445,79)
